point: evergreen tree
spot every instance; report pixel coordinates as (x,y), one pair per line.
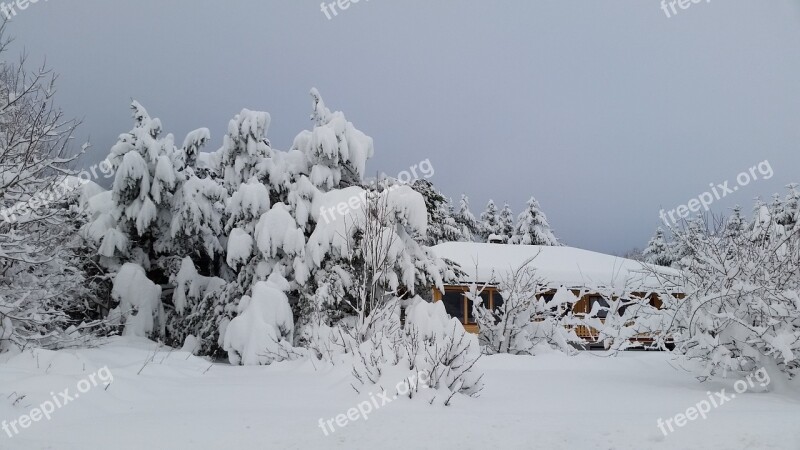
(532,227)
(147,176)
(470,228)
(735,225)
(244,149)
(338,152)
(789,215)
(198,209)
(490,222)
(442,226)
(658,251)
(506,218)
(686,239)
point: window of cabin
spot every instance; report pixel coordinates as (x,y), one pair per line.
(454,304)
(547,299)
(596,299)
(497,300)
(486,301)
(459,306)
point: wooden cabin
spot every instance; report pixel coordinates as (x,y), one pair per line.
(582,272)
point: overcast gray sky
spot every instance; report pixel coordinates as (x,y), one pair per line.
(605,110)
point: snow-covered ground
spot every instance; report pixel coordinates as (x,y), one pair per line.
(550,401)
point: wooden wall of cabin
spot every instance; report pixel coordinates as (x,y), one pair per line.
(582,306)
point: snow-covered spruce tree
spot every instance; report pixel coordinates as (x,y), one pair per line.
(42,278)
(442,225)
(230,197)
(338,152)
(741,309)
(271,235)
(506,218)
(470,228)
(196,227)
(735,224)
(532,227)
(789,215)
(158,211)
(146,168)
(490,222)
(244,149)
(197,209)
(658,251)
(683,247)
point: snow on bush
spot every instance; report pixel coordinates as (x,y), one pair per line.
(438,345)
(140,308)
(740,303)
(624,315)
(525,319)
(264,329)
(430,343)
(509,327)
(734,307)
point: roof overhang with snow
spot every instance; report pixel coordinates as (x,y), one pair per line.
(556,266)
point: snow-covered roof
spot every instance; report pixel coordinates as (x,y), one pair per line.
(557,266)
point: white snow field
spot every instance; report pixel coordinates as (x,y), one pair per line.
(550,401)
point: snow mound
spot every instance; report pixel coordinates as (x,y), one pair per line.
(139,300)
(263,330)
